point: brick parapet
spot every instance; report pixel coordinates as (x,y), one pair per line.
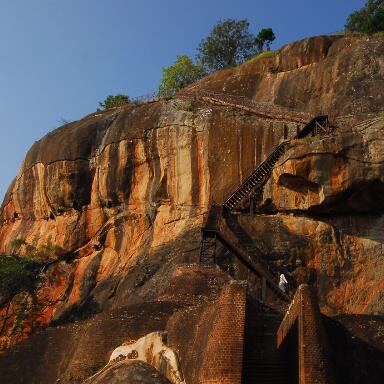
(315,363)
(224,352)
(290,317)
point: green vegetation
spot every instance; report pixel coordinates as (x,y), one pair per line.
(263,55)
(113,102)
(21,273)
(17,243)
(265,38)
(369,19)
(228,45)
(308,139)
(45,252)
(17,275)
(177,76)
(184,106)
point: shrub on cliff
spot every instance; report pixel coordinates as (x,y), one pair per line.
(113,102)
(16,275)
(369,19)
(177,76)
(229,44)
(42,253)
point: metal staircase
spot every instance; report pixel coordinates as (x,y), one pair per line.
(261,174)
(213,230)
(262,362)
(258,177)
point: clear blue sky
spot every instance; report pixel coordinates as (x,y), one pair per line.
(59,58)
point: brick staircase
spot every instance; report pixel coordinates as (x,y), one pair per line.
(263,363)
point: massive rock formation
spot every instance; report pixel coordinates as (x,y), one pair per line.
(124,193)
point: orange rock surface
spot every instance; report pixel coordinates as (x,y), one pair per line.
(124,192)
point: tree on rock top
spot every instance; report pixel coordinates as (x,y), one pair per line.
(229,44)
(177,76)
(265,38)
(369,19)
(113,102)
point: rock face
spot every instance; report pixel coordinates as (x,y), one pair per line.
(124,193)
(329,195)
(129,372)
(152,349)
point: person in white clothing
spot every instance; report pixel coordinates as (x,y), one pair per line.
(283,283)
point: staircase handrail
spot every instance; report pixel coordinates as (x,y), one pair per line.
(213,226)
(311,126)
(252,265)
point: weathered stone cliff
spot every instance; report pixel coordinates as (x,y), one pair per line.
(334,75)
(124,193)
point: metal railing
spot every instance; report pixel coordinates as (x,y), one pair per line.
(263,109)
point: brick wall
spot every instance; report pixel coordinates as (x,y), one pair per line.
(223,356)
(315,362)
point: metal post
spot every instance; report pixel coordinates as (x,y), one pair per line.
(263,289)
(201,249)
(214,250)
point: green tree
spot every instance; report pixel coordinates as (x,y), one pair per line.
(230,43)
(265,38)
(113,101)
(16,275)
(177,76)
(369,19)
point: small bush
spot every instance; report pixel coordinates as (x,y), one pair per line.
(44,252)
(17,243)
(184,106)
(16,275)
(118,100)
